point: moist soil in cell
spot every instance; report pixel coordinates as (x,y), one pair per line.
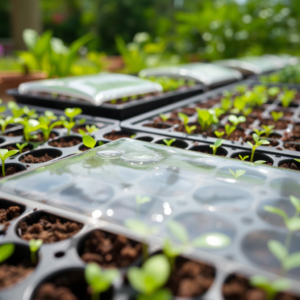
(110,250)
(48,228)
(31,159)
(65,142)
(115,135)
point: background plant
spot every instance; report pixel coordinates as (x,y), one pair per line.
(4,154)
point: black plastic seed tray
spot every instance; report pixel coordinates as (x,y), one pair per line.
(98,189)
(281,140)
(107,110)
(39,149)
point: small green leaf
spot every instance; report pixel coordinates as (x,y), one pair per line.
(298,160)
(250,144)
(292,261)
(10,153)
(296,202)
(258,280)
(82,132)
(212,240)
(276,211)
(6,251)
(260,162)
(281,284)
(178,231)
(3,152)
(255,137)
(278,250)
(218,142)
(293,224)
(35,245)
(140,227)
(88,141)
(238,173)
(243,158)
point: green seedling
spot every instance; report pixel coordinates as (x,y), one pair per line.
(99,280)
(212,240)
(50,115)
(139,200)
(218,112)
(238,173)
(68,125)
(169,142)
(271,288)
(89,129)
(21,146)
(260,162)
(216,145)
(133,136)
(5,122)
(141,228)
(247,111)
(16,111)
(71,113)
(46,126)
(287,97)
(206,118)
(30,113)
(88,141)
(236,120)
(2,107)
(164,117)
(268,129)
(242,88)
(4,154)
(226,104)
(276,115)
(219,134)
(29,126)
(243,157)
(297,160)
(279,250)
(185,119)
(228,94)
(172,251)
(100,143)
(239,104)
(6,251)
(190,129)
(259,132)
(258,142)
(273,91)
(125,99)
(34,246)
(150,278)
(229,130)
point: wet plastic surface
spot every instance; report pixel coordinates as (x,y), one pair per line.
(98,188)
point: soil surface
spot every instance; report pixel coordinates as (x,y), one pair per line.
(157,125)
(65,142)
(81,127)
(171,120)
(209,103)
(10,274)
(49,291)
(285,113)
(249,138)
(294,137)
(190,278)
(281,124)
(40,137)
(14,133)
(31,159)
(189,111)
(110,250)
(290,165)
(115,135)
(209,152)
(257,111)
(8,214)
(238,288)
(11,171)
(248,159)
(48,228)
(14,147)
(293,147)
(235,136)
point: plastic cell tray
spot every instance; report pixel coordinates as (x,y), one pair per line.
(276,154)
(98,189)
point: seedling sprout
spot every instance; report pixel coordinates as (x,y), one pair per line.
(4,154)
(259,132)
(5,122)
(229,130)
(2,107)
(258,142)
(185,119)
(276,115)
(34,246)
(216,145)
(133,136)
(287,97)
(71,113)
(21,146)
(268,129)
(236,120)
(89,130)
(273,91)
(297,160)
(150,278)
(16,111)
(46,126)
(29,126)
(88,141)
(172,251)
(238,173)
(243,157)
(164,117)
(6,251)
(206,118)
(99,280)
(219,134)
(169,142)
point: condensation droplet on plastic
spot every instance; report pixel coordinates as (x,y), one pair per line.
(110,154)
(142,158)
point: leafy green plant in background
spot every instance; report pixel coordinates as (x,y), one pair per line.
(258,142)
(34,246)
(16,111)
(276,115)
(237,173)
(273,91)
(6,251)
(259,132)
(206,118)
(164,117)
(89,130)
(236,120)
(4,154)
(29,126)
(226,104)
(290,74)
(172,251)
(216,145)
(150,278)
(71,113)
(287,97)
(229,130)
(268,129)
(99,280)
(5,122)
(21,146)
(185,119)
(169,142)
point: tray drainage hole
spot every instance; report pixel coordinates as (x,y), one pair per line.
(247,220)
(59,254)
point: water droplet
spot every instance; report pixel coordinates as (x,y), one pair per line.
(110,154)
(142,158)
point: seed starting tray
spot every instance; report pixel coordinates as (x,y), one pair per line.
(39,149)
(276,154)
(98,188)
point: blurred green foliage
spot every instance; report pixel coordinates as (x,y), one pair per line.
(287,75)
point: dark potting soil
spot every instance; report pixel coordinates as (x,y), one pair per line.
(190,278)
(189,111)
(10,274)
(281,124)
(110,250)
(239,288)
(293,147)
(293,137)
(48,228)
(171,120)
(115,135)
(210,103)
(40,137)
(285,113)
(290,165)
(14,133)
(64,142)
(157,125)
(210,152)
(235,136)
(181,128)
(49,291)
(10,171)
(274,136)
(8,214)
(30,159)
(257,111)
(14,147)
